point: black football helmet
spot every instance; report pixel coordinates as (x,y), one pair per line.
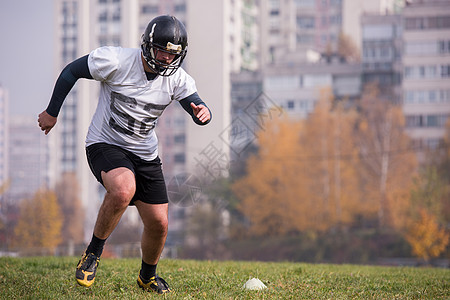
(168,34)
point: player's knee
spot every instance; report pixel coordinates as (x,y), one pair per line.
(122,197)
(159,226)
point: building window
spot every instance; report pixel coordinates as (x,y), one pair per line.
(305,3)
(445,71)
(116,16)
(426,96)
(305,38)
(290,105)
(378,32)
(282,82)
(421,48)
(432,121)
(274,4)
(305,22)
(103,17)
(335,19)
(438,120)
(444,46)
(424,23)
(150,9)
(179,158)
(425,72)
(274,12)
(179,139)
(433,143)
(180,8)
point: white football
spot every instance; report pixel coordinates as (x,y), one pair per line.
(254,284)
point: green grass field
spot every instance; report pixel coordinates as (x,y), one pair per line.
(54,278)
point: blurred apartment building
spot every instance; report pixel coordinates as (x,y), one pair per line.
(382,46)
(293,26)
(408,55)
(28,158)
(404,48)
(298,44)
(426,70)
(23,164)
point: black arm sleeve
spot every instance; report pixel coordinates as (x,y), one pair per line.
(66,80)
(186,104)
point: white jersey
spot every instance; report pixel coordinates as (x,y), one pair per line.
(129,104)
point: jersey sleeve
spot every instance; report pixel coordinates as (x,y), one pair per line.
(185,86)
(103,62)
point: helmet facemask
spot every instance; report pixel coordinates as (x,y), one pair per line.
(150,52)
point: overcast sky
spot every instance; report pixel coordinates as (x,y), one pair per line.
(26,64)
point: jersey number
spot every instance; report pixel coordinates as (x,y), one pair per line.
(132,125)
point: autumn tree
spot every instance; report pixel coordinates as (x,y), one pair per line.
(426,237)
(304,174)
(387,164)
(271,185)
(330,158)
(40,222)
(324,171)
(425,229)
(439,160)
(67,193)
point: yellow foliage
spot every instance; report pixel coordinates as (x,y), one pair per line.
(264,190)
(40,222)
(426,238)
(387,164)
(305,174)
(329,169)
(332,171)
(400,210)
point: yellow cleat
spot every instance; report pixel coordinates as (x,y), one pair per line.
(86,269)
(155,284)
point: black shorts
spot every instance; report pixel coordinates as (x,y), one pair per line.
(150,184)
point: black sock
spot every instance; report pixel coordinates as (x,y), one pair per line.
(96,246)
(147,271)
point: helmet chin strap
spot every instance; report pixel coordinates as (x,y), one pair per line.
(147,63)
(160,70)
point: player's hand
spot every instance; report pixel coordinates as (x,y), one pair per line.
(46,122)
(201,112)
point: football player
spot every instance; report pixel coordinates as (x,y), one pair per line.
(136,85)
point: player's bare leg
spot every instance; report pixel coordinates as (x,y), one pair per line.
(155,219)
(120,188)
